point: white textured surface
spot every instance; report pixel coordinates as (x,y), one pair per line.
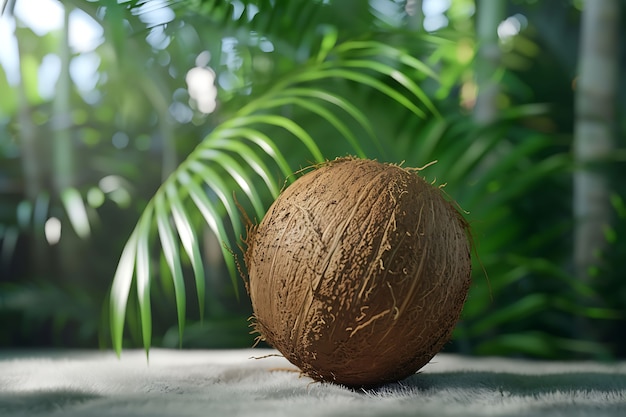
(231,383)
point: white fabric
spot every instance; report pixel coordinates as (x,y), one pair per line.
(233,383)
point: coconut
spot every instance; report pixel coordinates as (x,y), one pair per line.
(358,272)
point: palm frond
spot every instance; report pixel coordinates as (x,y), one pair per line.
(142,255)
(236,154)
(76,211)
(171,252)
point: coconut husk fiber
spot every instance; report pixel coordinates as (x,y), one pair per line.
(358,272)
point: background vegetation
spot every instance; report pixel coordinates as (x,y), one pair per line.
(120,155)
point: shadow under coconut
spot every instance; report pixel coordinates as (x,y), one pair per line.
(515,384)
(550,394)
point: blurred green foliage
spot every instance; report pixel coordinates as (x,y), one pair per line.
(139,121)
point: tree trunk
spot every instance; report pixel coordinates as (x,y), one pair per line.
(593,133)
(489,15)
(415,15)
(63,151)
(70,247)
(33,172)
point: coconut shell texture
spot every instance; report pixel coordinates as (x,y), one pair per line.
(358,272)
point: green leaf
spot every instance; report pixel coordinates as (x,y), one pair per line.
(471,154)
(523,307)
(172,256)
(396,75)
(262,141)
(217,185)
(598,350)
(538,171)
(280,121)
(217,226)
(189,240)
(338,101)
(503,165)
(76,211)
(618,204)
(143,277)
(373,49)
(253,161)
(532,343)
(472,310)
(238,173)
(580,310)
(430,137)
(358,77)
(548,268)
(328,42)
(119,291)
(325,114)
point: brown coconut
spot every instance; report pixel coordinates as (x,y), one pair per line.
(358,272)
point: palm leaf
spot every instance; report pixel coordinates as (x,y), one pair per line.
(189,241)
(213,219)
(285,123)
(143,277)
(218,186)
(226,161)
(120,289)
(172,256)
(76,211)
(237,172)
(262,141)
